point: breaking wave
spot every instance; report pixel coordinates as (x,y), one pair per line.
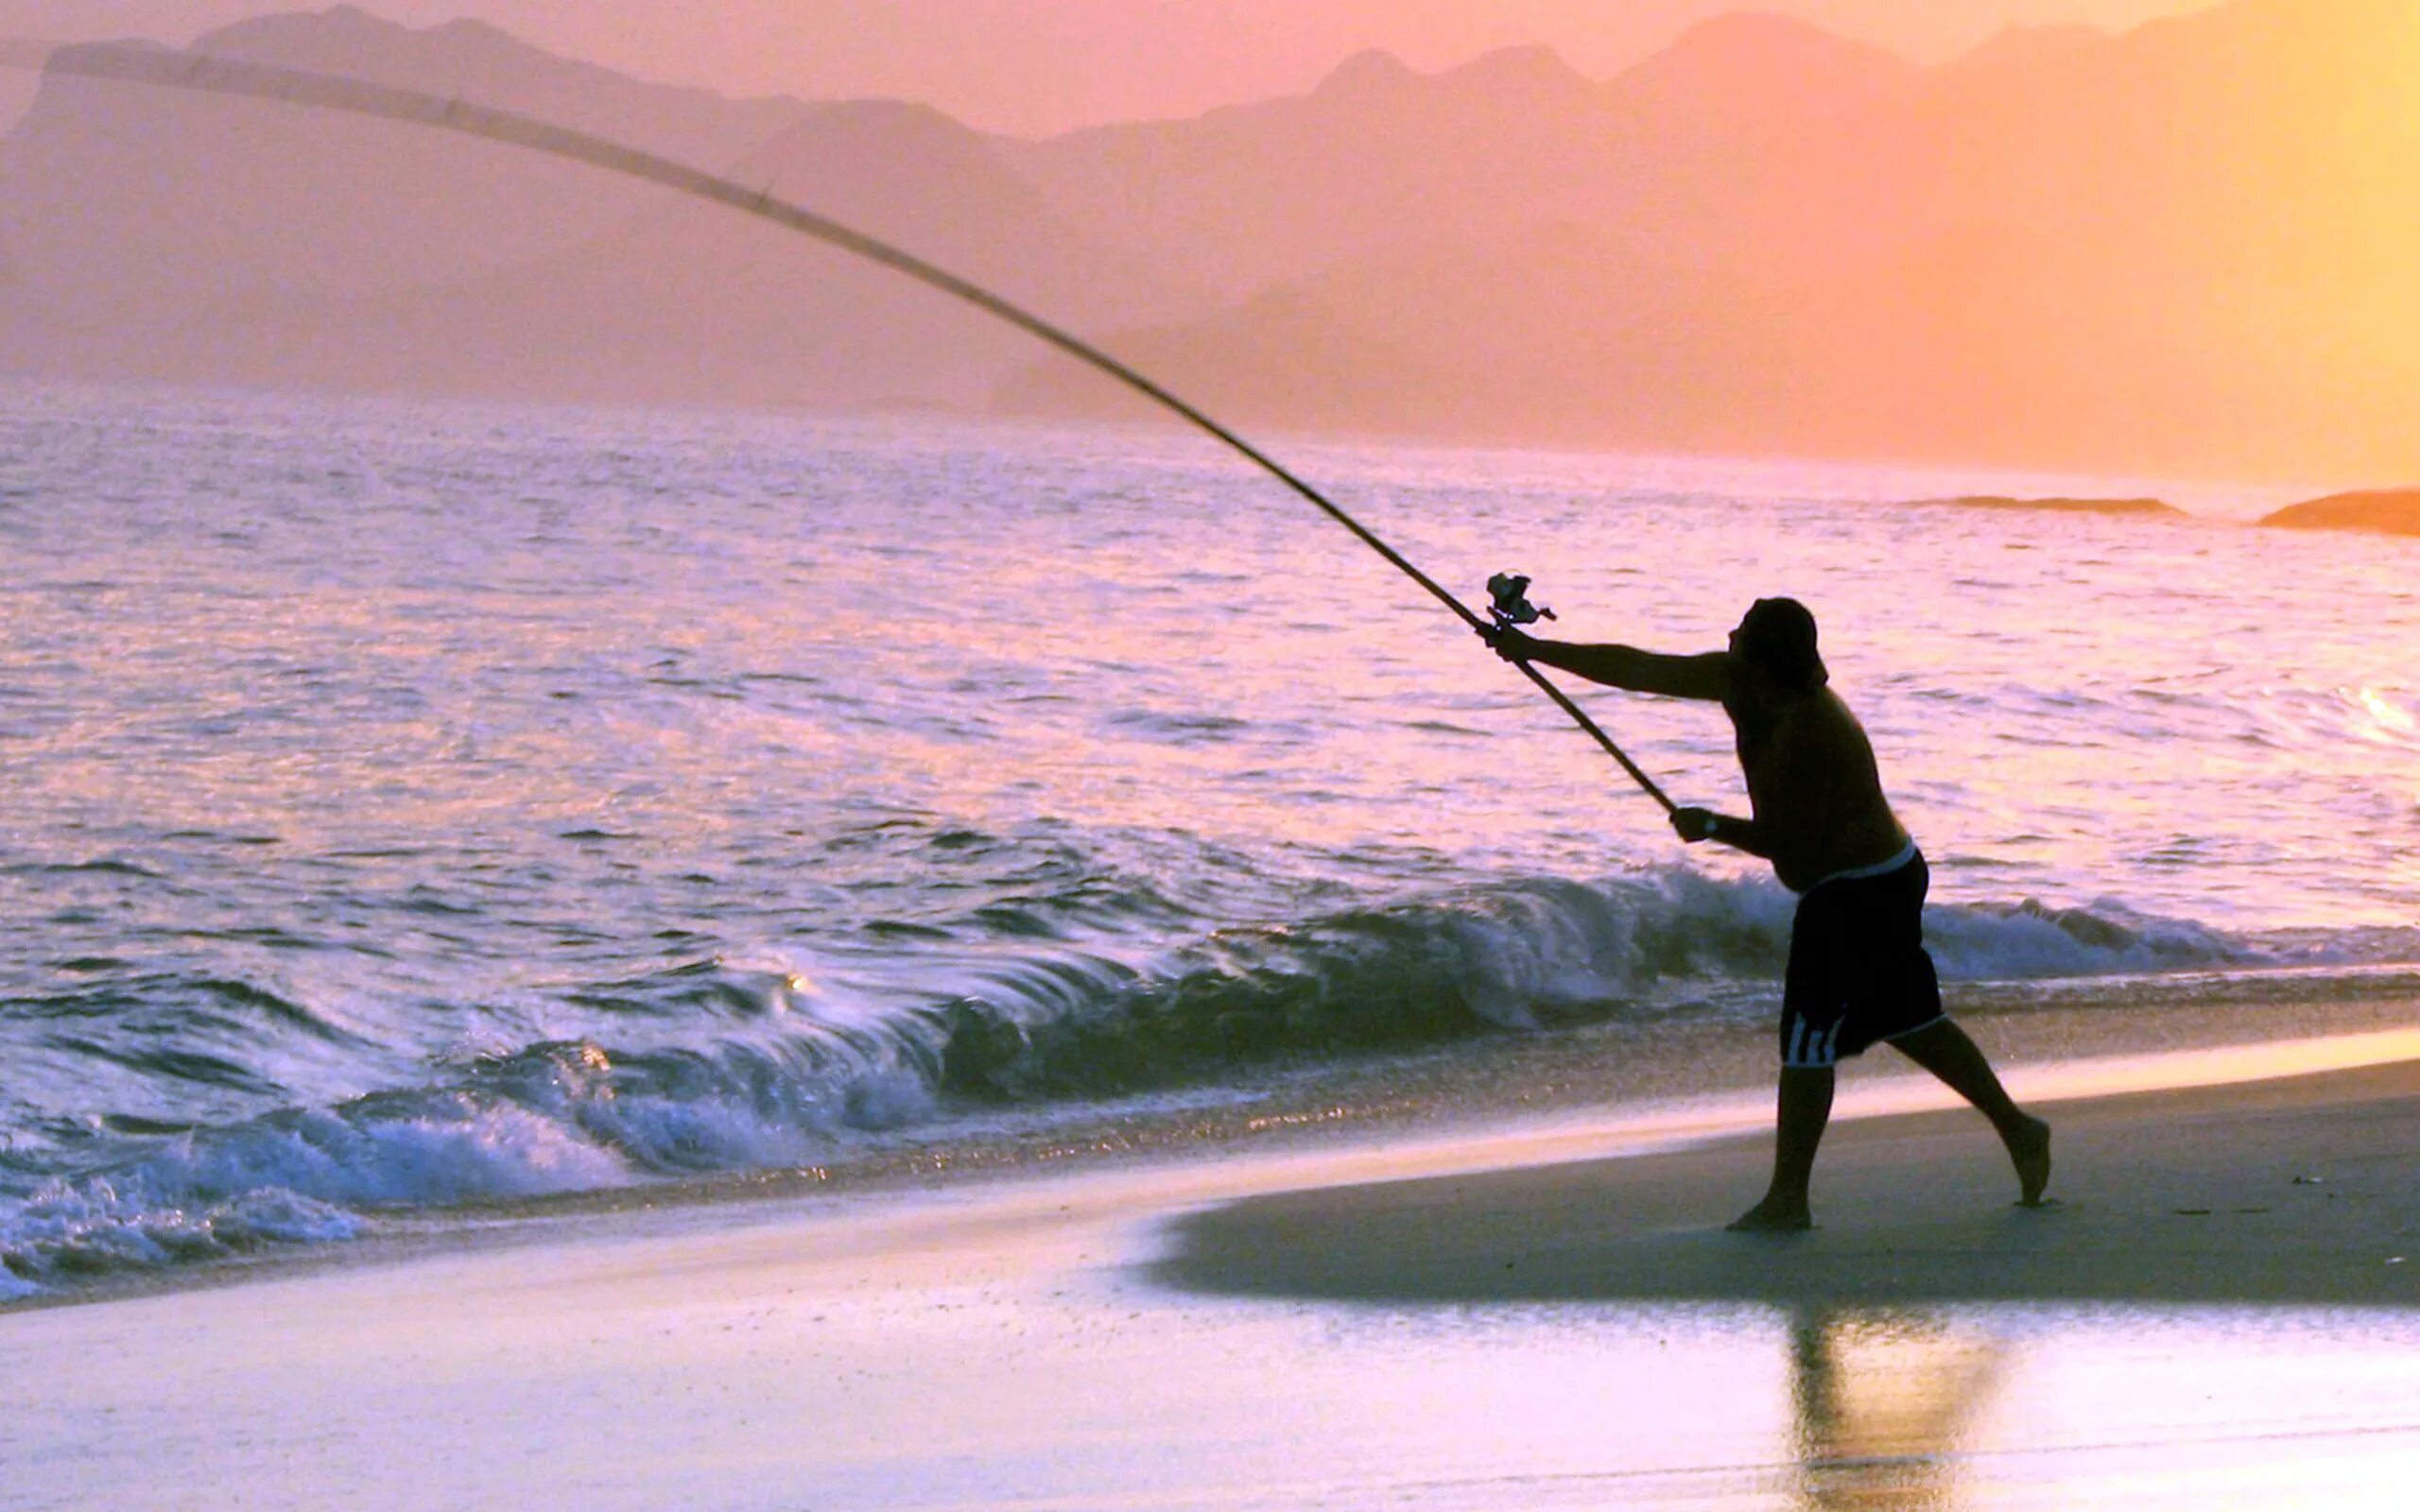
(727,1073)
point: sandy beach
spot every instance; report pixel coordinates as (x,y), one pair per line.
(2300,1191)
(2223,1311)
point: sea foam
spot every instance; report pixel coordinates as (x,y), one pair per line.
(1054,1028)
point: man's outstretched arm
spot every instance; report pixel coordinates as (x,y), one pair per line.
(1706,676)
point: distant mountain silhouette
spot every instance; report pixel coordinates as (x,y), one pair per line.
(2186,249)
(1249,195)
(131,199)
(158,234)
(1762,70)
(2179,249)
(2026,47)
(692,302)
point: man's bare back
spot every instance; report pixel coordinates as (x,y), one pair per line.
(1814,789)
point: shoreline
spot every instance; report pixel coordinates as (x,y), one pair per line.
(2301,1189)
(1332,1326)
(1336,1129)
(1516,1094)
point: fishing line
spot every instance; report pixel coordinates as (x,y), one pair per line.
(202,74)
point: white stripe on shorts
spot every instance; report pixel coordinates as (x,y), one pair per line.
(1811,1049)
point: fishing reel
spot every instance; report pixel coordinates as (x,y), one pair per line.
(1508,602)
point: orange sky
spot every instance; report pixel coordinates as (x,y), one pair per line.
(1036,66)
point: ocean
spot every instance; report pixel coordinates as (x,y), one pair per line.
(418,804)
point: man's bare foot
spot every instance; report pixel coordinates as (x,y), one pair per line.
(1774,1216)
(2030,1148)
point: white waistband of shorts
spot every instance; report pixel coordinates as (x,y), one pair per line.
(1880,869)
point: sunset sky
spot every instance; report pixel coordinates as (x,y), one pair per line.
(1044,65)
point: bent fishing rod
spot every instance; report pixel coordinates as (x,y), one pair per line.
(202,73)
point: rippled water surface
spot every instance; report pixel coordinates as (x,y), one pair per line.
(411,804)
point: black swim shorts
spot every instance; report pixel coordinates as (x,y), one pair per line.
(1859,972)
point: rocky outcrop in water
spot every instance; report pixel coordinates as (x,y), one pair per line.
(2056,506)
(2389,512)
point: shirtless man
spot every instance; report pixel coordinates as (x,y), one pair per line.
(1859,972)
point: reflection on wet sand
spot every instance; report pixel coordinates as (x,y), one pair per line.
(1885,1404)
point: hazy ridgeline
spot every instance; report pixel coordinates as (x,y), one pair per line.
(2184,249)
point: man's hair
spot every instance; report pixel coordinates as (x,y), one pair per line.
(1778,634)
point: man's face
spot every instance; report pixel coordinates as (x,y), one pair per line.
(1752,681)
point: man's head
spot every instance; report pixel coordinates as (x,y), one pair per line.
(1778,636)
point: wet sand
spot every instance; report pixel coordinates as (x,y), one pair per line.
(1545,1317)
(2302,1192)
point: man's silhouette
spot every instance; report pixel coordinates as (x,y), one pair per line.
(1858,972)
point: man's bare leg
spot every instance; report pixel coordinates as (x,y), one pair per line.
(1804,1106)
(1942,1047)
